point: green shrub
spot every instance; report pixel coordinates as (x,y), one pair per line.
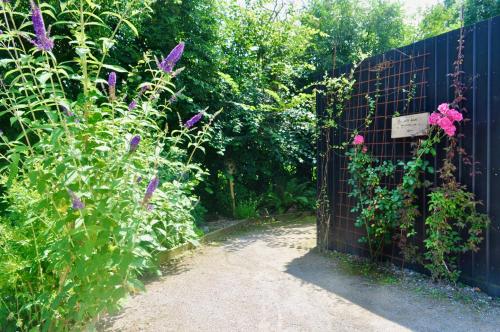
(290,196)
(454,226)
(377,206)
(246,209)
(94,181)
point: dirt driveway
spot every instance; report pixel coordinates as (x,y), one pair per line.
(271,280)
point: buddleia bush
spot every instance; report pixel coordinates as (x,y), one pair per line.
(94,182)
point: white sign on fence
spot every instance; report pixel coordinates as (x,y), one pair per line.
(410,125)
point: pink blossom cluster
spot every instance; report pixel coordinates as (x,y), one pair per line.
(445,119)
(358,140)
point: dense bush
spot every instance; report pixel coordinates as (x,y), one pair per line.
(95,181)
(265,137)
(251,62)
(257,60)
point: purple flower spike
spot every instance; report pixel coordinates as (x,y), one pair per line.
(112,85)
(168,64)
(43,41)
(112,79)
(132,105)
(77,204)
(134,143)
(194,120)
(152,186)
(143,90)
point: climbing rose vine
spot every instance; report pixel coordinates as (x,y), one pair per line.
(387,213)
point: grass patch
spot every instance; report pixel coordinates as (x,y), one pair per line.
(361,267)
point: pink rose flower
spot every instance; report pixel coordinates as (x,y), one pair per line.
(450,131)
(454,115)
(444,108)
(358,140)
(447,125)
(434,118)
(446,118)
(444,122)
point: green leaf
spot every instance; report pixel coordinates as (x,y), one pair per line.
(55,135)
(103,148)
(115,68)
(13,169)
(127,22)
(132,27)
(44,77)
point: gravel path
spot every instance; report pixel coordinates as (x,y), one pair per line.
(270,280)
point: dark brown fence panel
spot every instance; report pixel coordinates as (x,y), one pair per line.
(425,66)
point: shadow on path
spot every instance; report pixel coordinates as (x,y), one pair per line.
(270,278)
(405,307)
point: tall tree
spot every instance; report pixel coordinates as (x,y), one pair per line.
(266,129)
(478,10)
(445,16)
(438,19)
(349,28)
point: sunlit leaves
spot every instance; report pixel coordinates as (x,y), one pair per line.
(67,140)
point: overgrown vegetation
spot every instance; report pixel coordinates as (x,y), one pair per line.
(94,181)
(257,60)
(100,169)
